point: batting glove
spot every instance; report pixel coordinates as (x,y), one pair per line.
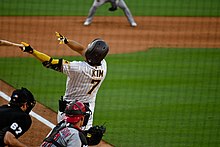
(26,48)
(61,38)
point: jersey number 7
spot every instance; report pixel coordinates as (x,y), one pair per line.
(95,83)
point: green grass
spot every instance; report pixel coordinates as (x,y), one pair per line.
(161,97)
(137,7)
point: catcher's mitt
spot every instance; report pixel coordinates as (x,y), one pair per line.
(112,8)
(94,134)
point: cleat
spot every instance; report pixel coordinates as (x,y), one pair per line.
(86,23)
(133,24)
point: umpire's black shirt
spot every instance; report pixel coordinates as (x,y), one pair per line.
(14,120)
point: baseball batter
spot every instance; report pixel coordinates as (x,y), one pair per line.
(84,78)
(114,4)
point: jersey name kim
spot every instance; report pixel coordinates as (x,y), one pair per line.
(97,73)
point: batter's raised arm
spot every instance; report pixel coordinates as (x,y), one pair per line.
(75,46)
(47,61)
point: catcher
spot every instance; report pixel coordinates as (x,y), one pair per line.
(68,132)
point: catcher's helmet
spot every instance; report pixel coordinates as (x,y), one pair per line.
(21,96)
(96,51)
(75,111)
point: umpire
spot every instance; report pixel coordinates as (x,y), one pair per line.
(15,119)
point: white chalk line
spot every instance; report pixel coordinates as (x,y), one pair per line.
(35,115)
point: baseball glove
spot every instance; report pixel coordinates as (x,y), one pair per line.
(94,134)
(112,8)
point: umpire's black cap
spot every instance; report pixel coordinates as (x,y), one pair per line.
(21,96)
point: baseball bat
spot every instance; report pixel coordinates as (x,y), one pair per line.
(9,43)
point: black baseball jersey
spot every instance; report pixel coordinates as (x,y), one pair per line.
(14,120)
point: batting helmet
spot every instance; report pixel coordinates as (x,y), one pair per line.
(21,96)
(75,111)
(96,51)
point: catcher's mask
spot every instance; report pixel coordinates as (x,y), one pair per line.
(75,111)
(21,96)
(96,52)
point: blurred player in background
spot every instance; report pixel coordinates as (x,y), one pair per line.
(14,117)
(114,5)
(83,77)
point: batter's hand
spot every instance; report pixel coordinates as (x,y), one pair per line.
(61,38)
(26,48)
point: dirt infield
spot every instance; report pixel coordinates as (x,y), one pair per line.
(178,32)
